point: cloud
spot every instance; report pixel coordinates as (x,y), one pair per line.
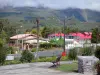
(56,4)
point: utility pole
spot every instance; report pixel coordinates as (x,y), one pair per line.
(64,49)
(64,34)
(37,22)
(17,42)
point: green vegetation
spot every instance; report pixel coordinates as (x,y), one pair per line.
(72,54)
(72,67)
(3,46)
(97,52)
(57,42)
(86,51)
(27,56)
(46,31)
(46,45)
(95,35)
(11,62)
(2,54)
(97,65)
(40,59)
(26,16)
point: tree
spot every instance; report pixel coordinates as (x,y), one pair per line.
(2,52)
(27,56)
(34,31)
(7,27)
(69,30)
(46,31)
(95,35)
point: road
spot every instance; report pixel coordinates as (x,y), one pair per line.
(47,53)
(34,69)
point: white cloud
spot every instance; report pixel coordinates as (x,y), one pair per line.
(57,4)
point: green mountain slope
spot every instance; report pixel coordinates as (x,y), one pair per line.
(83,19)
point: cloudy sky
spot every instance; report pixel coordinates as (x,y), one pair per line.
(56,4)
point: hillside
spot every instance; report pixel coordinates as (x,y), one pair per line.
(83,19)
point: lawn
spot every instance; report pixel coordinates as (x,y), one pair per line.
(73,67)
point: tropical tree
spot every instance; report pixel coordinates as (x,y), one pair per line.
(34,31)
(46,31)
(2,50)
(95,35)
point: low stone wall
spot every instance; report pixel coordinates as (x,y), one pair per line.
(86,63)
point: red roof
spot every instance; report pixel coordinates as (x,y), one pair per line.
(85,35)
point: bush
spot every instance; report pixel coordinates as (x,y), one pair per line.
(86,51)
(10,50)
(27,56)
(42,49)
(97,65)
(72,54)
(2,55)
(33,50)
(97,52)
(64,58)
(46,45)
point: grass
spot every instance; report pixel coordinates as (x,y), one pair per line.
(11,62)
(68,67)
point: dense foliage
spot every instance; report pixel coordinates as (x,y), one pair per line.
(46,31)
(95,35)
(72,54)
(46,45)
(97,65)
(97,52)
(86,51)
(27,56)
(57,42)
(2,52)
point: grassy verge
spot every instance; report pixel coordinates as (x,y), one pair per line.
(68,67)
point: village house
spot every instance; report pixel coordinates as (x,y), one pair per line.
(73,39)
(25,41)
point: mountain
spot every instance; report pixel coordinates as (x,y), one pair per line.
(75,17)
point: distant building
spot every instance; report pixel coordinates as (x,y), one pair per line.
(25,41)
(73,39)
(78,35)
(56,35)
(18,40)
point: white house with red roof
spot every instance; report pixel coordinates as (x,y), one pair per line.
(78,35)
(73,39)
(55,35)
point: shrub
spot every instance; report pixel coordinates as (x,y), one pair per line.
(27,56)
(97,65)
(72,54)
(46,45)
(64,58)
(2,55)
(97,52)
(42,49)
(33,50)
(10,50)
(86,51)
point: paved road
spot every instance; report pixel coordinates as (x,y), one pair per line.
(33,69)
(48,53)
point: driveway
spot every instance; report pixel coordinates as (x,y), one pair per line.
(39,68)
